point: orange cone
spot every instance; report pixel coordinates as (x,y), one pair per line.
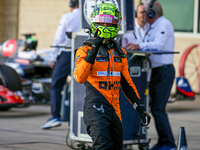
(182,142)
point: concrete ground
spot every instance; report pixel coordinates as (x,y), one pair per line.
(20,127)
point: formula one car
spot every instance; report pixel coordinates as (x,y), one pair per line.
(32,66)
(10,89)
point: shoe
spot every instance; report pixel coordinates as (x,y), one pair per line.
(168,148)
(157,147)
(52,122)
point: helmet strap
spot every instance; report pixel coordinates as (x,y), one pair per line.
(118,49)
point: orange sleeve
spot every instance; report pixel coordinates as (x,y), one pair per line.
(129,82)
(82,68)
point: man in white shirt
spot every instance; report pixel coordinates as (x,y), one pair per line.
(161,38)
(140,28)
(61,64)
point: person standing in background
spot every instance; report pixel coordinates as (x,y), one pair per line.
(161,38)
(61,64)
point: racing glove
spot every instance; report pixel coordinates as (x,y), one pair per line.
(97,41)
(143,115)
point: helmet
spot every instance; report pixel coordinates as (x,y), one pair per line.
(105,13)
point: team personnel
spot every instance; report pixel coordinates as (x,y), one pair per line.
(102,66)
(140,28)
(70,22)
(161,38)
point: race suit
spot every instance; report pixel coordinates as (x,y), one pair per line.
(102,79)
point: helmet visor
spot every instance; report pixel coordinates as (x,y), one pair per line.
(105,19)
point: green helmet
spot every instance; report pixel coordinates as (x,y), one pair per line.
(105,13)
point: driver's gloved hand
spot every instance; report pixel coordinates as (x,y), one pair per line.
(97,41)
(143,114)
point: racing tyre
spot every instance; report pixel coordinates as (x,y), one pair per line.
(10,78)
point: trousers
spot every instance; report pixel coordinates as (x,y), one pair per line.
(59,75)
(162,79)
(102,123)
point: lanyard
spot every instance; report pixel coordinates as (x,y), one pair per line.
(141,36)
(146,33)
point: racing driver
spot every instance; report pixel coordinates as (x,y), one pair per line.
(102,66)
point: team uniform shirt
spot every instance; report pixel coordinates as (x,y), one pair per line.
(160,37)
(70,22)
(137,36)
(103,78)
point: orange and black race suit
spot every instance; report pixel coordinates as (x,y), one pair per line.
(102,77)
(105,77)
